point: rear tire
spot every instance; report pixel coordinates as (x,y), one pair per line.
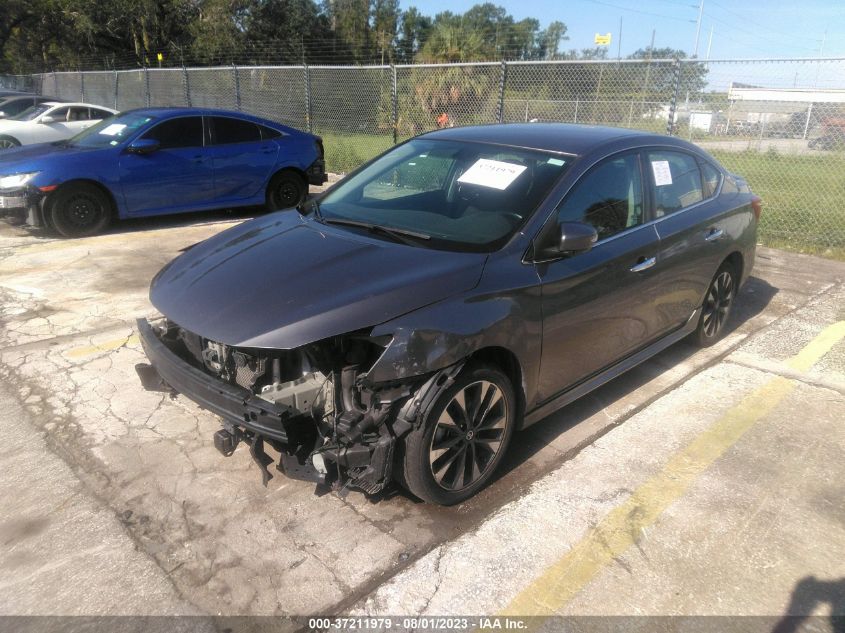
(286,190)
(455,451)
(717,306)
(80,210)
(7,142)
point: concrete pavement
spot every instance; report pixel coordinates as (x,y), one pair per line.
(227,545)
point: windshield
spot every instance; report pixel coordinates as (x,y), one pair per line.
(32,112)
(112,131)
(464,196)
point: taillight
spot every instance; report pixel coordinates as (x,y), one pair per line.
(757,205)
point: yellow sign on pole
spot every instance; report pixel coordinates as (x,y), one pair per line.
(602,40)
(160,57)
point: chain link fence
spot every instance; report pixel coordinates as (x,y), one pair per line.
(780,123)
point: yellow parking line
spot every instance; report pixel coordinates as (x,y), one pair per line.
(106,346)
(623,526)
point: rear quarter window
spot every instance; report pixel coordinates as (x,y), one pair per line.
(710,179)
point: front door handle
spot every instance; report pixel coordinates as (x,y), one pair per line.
(713,235)
(644,263)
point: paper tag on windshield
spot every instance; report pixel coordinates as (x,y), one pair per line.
(113,130)
(662,174)
(492,173)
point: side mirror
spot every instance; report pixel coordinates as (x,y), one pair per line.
(576,237)
(47,120)
(143,146)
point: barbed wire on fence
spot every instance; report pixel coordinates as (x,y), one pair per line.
(779,122)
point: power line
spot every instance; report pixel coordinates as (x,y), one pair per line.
(621,8)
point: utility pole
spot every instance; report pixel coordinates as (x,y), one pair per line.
(709,42)
(821,51)
(698,27)
(619,43)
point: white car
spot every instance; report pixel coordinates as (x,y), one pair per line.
(50,121)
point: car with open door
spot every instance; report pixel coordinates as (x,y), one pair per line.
(459,287)
(158,161)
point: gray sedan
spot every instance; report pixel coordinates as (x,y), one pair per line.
(463,285)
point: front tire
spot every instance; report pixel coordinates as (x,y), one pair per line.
(455,451)
(80,210)
(287,189)
(717,306)
(7,142)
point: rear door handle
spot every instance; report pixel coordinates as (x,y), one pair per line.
(644,263)
(713,235)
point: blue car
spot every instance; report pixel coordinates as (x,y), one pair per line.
(157,161)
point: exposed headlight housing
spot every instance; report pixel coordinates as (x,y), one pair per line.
(16,180)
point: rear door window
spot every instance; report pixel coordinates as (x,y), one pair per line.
(78,114)
(676,181)
(176,133)
(268,132)
(228,130)
(97,114)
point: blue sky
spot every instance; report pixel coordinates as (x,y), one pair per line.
(741,28)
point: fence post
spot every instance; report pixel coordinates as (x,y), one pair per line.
(146,87)
(807,122)
(394,103)
(81,85)
(237,77)
(308,118)
(116,93)
(670,124)
(186,86)
(500,108)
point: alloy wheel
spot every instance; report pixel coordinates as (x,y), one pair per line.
(468,435)
(717,305)
(7,144)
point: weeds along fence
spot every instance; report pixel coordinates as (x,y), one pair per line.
(778,122)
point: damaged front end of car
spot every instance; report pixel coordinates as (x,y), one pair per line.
(315,405)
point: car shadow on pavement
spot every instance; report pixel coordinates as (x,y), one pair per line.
(520,468)
(808,595)
(18,227)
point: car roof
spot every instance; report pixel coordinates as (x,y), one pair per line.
(171,111)
(77,104)
(566,138)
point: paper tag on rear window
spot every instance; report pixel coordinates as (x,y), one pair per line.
(113,130)
(492,173)
(662,173)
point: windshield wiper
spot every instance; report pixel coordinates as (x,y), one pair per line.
(400,234)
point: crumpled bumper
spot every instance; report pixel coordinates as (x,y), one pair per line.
(21,198)
(236,405)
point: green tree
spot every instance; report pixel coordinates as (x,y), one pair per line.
(385,23)
(349,23)
(413,33)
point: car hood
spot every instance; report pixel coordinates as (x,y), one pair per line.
(283,281)
(19,160)
(11,124)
